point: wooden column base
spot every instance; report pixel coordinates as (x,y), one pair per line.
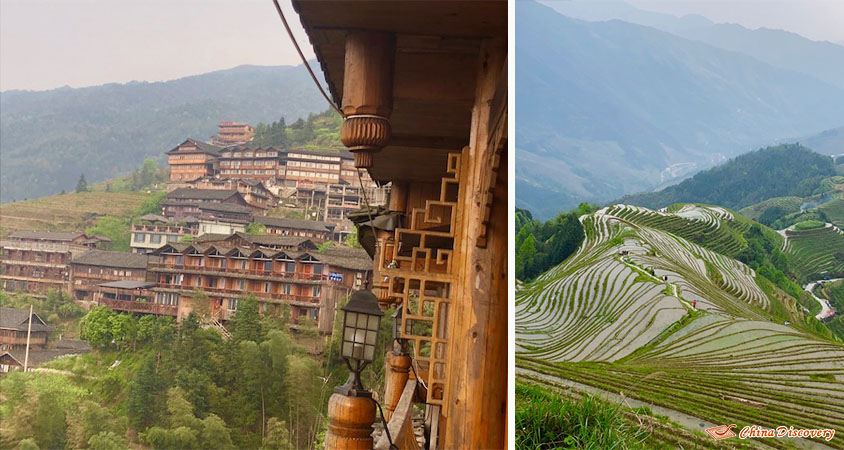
(398,371)
(350,422)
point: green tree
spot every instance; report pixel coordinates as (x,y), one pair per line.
(277,436)
(352,239)
(246,324)
(302,371)
(144,397)
(255,228)
(82,184)
(115,228)
(96,327)
(107,440)
(28,444)
(50,426)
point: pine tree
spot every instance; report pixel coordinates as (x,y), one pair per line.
(144,402)
(82,184)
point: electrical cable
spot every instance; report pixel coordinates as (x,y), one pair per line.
(384,421)
(304,60)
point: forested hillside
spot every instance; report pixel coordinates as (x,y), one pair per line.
(784,170)
(48,138)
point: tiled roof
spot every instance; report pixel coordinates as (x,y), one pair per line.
(47,235)
(299,224)
(128,284)
(16,319)
(224,207)
(123,260)
(270,240)
(212,150)
(200,194)
(347,258)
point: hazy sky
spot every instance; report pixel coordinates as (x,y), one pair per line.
(47,44)
(819,20)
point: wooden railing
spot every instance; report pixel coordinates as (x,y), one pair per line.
(237,270)
(401,423)
(139,307)
(270,295)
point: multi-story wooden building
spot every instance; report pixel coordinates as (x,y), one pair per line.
(192,159)
(275,269)
(422,87)
(14,325)
(94,267)
(152,231)
(253,191)
(232,133)
(212,204)
(247,161)
(34,262)
(132,296)
(311,229)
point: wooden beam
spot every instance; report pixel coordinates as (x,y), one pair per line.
(474,409)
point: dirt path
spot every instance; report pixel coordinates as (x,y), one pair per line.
(826,308)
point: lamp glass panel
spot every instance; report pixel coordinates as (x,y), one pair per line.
(369,353)
(351,319)
(357,351)
(349,334)
(347,349)
(370,337)
(361,320)
(373,322)
(360,335)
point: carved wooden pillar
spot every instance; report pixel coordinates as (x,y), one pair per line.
(367,93)
(350,422)
(398,371)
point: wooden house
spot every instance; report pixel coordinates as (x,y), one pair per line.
(192,159)
(152,231)
(423,90)
(253,190)
(14,324)
(34,262)
(311,229)
(94,267)
(275,269)
(248,161)
(232,133)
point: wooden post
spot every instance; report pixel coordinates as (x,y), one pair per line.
(397,373)
(350,422)
(475,406)
(367,93)
(28,334)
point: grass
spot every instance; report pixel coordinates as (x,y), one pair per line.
(546,421)
(67,212)
(809,225)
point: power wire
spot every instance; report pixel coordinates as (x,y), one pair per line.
(305,61)
(386,428)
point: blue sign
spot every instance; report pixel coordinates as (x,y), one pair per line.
(335,276)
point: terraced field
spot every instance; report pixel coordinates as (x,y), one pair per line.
(814,253)
(617,315)
(834,211)
(788,204)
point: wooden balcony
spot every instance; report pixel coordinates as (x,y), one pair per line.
(139,307)
(223,271)
(304,300)
(401,422)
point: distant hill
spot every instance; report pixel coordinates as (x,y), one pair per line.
(609,108)
(48,138)
(779,48)
(829,142)
(784,170)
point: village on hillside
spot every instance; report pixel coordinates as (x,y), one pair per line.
(213,238)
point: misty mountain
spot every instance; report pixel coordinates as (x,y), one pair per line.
(779,48)
(48,138)
(829,142)
(610,108)
(783,49)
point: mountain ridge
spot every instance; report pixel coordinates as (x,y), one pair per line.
(49,137)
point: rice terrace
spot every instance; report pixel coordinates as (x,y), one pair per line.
(655,309)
